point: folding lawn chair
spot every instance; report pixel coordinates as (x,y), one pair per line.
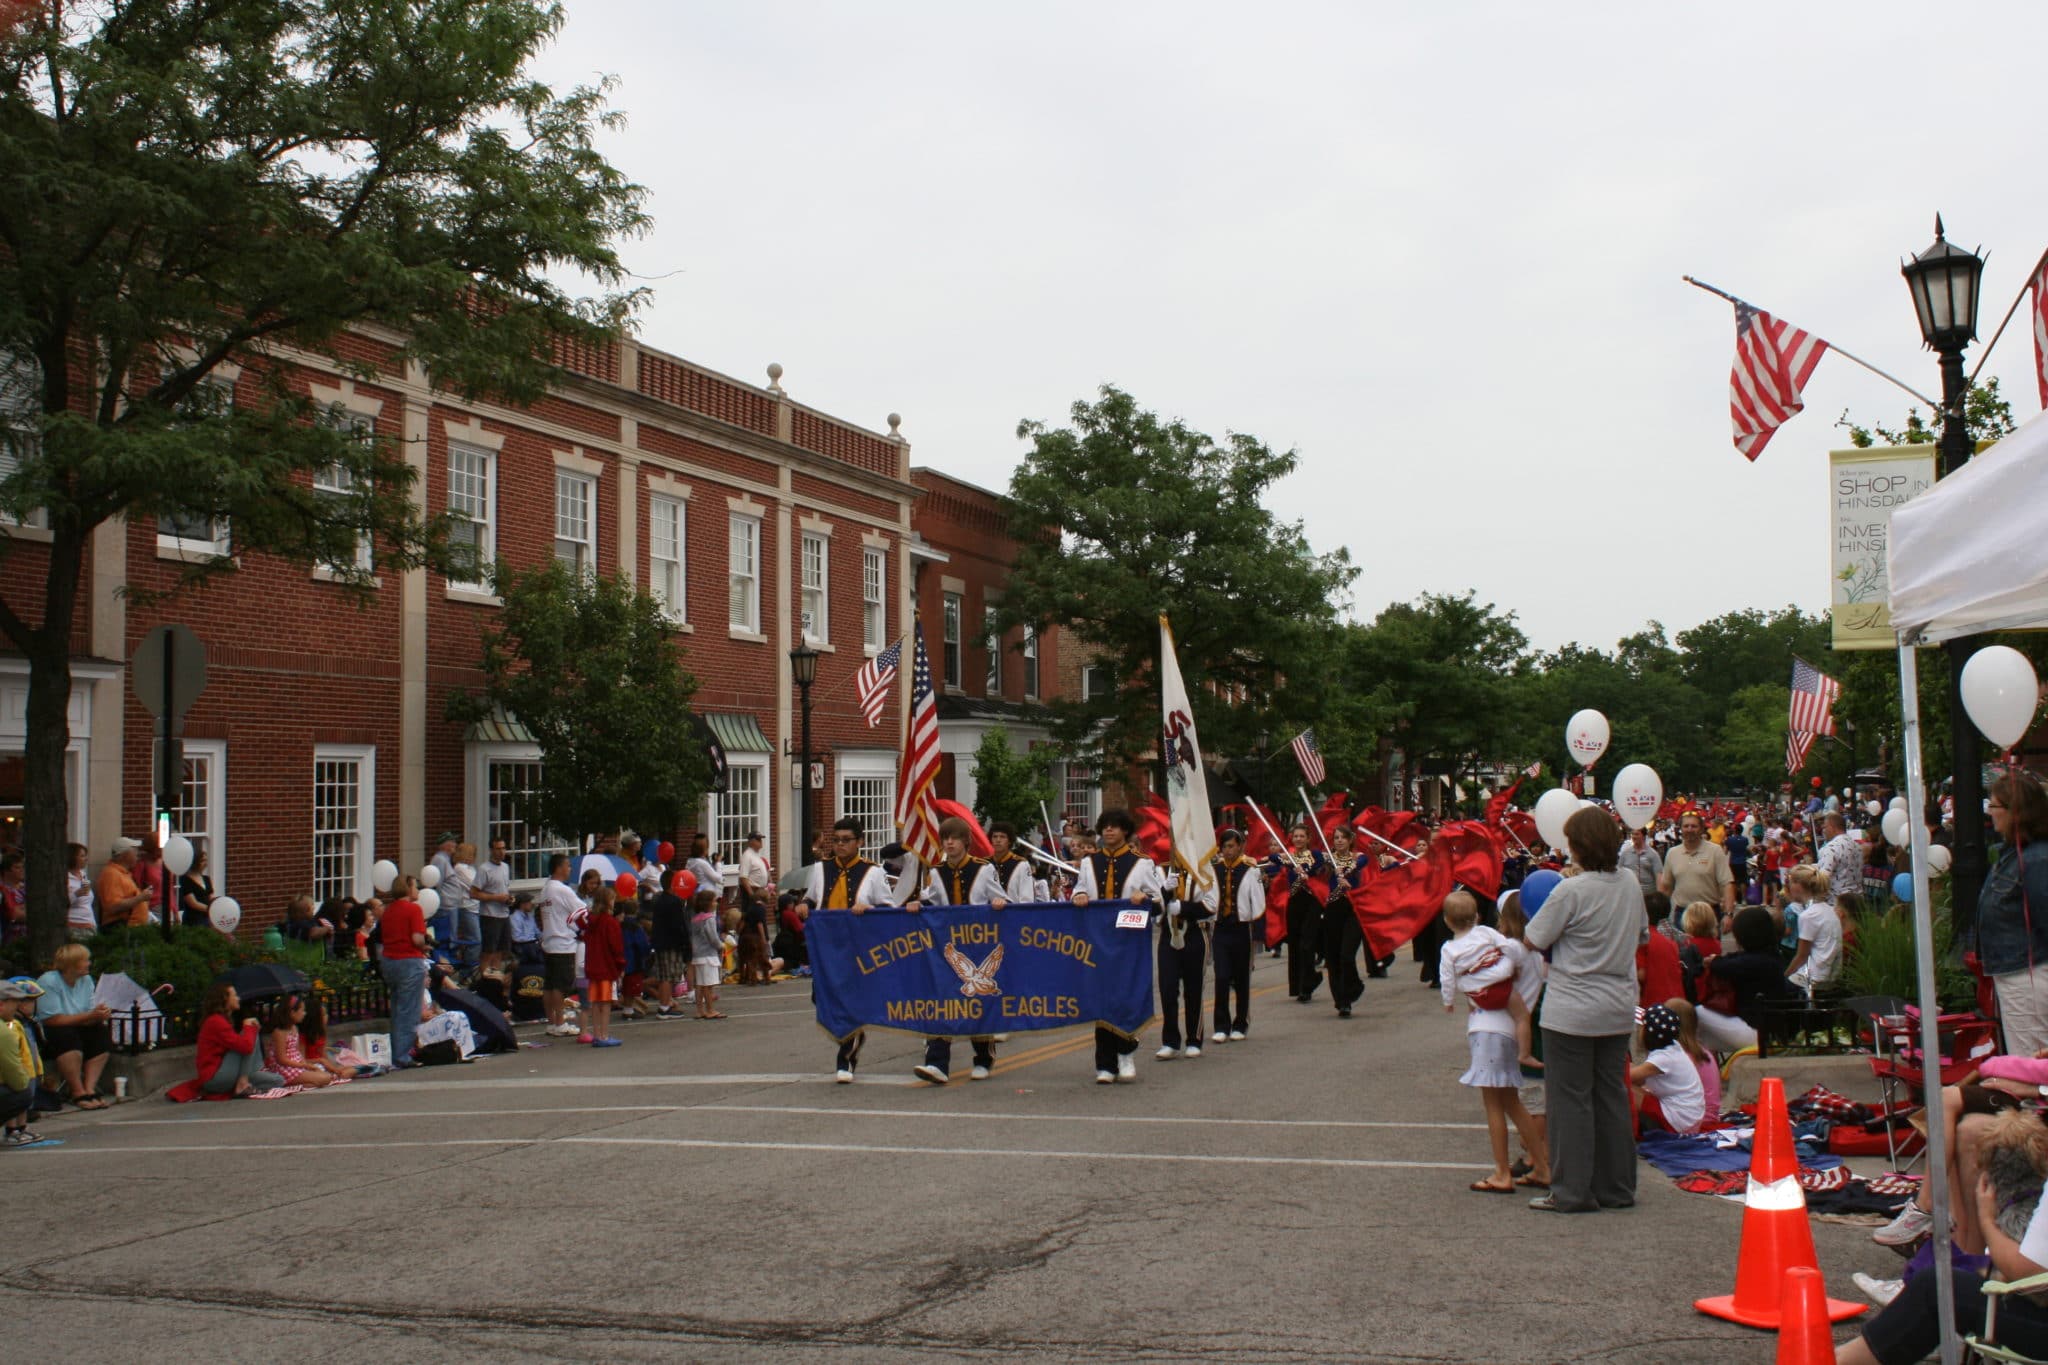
(1984,1346)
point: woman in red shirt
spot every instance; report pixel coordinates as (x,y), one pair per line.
(604,962)
(230,1060)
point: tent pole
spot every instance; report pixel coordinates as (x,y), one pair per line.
(1930,1007)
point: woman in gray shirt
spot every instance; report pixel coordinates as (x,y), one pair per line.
(1592,924)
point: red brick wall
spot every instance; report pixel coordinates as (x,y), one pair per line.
(969,525)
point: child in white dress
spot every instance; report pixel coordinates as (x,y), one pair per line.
(1481,964)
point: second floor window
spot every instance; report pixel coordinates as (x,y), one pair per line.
(744,571)
(950,629)
(817,627)
(1030,662)
(665,555)
(873,616)
(994,639)
(576,521)
(471,542)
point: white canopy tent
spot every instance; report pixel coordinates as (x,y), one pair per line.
(1966,556)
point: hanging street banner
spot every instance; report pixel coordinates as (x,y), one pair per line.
(1864,488)
(970,969)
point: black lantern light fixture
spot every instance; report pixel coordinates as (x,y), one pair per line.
(803,671)
(1944,280)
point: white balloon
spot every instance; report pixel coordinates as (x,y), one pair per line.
(1638,792)
(178,855)
(1895,826)
(382,873)
(1898,803)
(429,901)
(1874,807)
(1939,858)
(1585,734)
(225,913)
(1553,808)
(430,876)
(2001,693)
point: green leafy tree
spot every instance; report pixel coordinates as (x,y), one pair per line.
(1012,786)
(190,183)
(1448,668)
(1738,650)
(1751,746)
(1986,414)
(589,667)
(1122,516)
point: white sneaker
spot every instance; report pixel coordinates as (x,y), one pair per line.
(844,1076)
(1105,1078)
(1165,1054)
(1879,1292)
(1127,1067)
(980,1073)
(929,1073)
(1220,1038)
(1910,1226)
(1192,1051)
(1237,1035)
(563,1030)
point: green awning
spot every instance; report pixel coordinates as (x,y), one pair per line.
(738,732)
(500,727)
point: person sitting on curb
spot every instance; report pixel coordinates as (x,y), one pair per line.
(21,1069)
(230,1059)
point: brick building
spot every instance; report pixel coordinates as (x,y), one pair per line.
(984,681)
(320,743)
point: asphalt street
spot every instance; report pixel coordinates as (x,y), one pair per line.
(706,1193)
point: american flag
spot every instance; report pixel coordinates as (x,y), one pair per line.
(1773,361)
(917,817)
(1310,757)
(2040,319)
(874,680)
(1813,711)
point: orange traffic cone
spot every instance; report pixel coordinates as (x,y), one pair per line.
(1775,1234)
(1803,1335)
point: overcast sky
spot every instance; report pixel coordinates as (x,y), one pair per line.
(1436,248)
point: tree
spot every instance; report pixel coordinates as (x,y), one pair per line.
(588,665)
(1013,787)
(1751,749)
(1987,415)
(1448,665)
(1121,517)
(191,183)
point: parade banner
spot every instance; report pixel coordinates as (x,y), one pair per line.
(1865,487)
(971,969)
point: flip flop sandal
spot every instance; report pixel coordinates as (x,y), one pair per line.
(1532,1182)
(89,1102)
(1487,1187)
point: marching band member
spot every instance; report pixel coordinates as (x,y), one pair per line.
(847,881)
(1183,950)
(1116,871)
(1236,896)
(1013,869)
(1301,865)
(1342,937)
(959,879)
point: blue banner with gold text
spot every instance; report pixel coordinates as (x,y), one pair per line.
(970,969)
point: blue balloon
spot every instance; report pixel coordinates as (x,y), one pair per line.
(1902,887)
(1536,889)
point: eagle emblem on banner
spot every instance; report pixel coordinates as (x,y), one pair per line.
(976,978)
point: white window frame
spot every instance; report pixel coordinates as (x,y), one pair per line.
(673,596)
(21,406)
(878,826)
(729,827)
(568,533)
(212,756)
(335,478)
(487,522)
(1089,692)
(366,812)
(479,756)
(874,588)
(743,533)
(171,540)
(1030,653)
(951,607)
(815,554)
(1090,790)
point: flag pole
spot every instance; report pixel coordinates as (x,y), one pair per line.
(1279,844)
(1411,857)
(1889,378)
(1985,354)
(1315,824)
(1038,852)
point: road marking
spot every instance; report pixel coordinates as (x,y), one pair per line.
(323,1116)
(409,1085)
(849,1148)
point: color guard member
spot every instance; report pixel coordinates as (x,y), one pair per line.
(1236,896)
(1116,871)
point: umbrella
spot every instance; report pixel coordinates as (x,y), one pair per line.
(608,865)
(262,980)
(493,1031)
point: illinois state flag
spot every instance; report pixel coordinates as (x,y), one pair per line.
(1187,782)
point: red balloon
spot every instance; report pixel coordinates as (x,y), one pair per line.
(628,886)
(665,852)
(1816,782)
(683,884)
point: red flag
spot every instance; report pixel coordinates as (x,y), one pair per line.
(1394,906)
(1336,811)
(1522,825)
(1277,892)
(1473,850)
(1401,828)
(977,842)
(1154,834)
(1497,804)
(1670,810)
(1257,843)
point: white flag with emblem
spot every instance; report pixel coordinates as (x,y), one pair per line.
(1187,782)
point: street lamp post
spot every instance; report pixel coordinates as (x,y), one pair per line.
(803,671)
(1944,281)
